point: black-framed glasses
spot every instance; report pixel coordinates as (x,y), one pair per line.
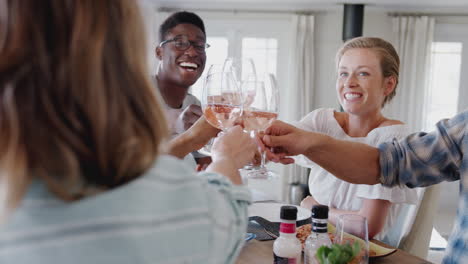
(182,43)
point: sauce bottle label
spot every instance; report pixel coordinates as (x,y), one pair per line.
(281,260)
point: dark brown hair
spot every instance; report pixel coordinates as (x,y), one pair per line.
(177,18)
(77,109)
(389,59)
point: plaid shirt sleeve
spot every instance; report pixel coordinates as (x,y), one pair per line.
(424,159)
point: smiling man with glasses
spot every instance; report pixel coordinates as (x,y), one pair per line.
(182,58)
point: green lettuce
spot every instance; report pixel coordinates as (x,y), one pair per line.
(337,254)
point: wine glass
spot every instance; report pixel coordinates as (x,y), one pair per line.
(244,71)
(221,99)
(243,68)
(351,228)
(261,105)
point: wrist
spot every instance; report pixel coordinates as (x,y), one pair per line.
(225,161)
(314,142)
(227,168)
(198,138)
(181,145)
(194,140)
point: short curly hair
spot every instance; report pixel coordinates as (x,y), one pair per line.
(389,59)
(177,18)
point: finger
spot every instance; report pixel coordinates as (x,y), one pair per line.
(239,122)
(278,150)
(196,109)
(272,156)
(236,129)
(274,141)
(261,134)
(259,142)
(275,125)
(286,161)
(202,167)
(191,117)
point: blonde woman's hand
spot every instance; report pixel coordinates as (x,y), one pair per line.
(308,202)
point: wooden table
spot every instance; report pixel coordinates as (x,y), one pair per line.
(261,252)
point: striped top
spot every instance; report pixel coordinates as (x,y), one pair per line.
(169,215)
(424,159)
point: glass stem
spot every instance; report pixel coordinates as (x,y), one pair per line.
(263,160)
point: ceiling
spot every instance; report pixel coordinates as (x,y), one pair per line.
(443,6)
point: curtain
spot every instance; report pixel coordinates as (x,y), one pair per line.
(299,100)
(414,36)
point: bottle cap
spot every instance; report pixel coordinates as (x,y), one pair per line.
(288,212)
(320,211)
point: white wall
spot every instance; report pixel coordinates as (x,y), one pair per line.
(328,30)
(148,11)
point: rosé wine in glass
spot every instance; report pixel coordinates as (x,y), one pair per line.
(222,115)
(258,120)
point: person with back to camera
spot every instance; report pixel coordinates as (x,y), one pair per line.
(182,57)
(368,71)
(81,138)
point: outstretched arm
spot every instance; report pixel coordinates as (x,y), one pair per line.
(350,161)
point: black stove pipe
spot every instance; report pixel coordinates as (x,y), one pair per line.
(353,17)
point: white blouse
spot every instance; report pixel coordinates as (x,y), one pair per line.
(329,190)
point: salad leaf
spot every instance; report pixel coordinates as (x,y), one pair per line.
(337,254)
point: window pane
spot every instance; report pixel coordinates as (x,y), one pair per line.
(444,83)
(215,54)
(263,51)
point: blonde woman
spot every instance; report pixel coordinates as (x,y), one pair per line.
(81,133)
(368,71)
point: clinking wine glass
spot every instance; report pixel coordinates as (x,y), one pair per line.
(244,71)
(351,228)
(261,105)
(220,91)
(222,99)
(243,68)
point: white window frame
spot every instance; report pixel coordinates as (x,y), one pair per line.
(236,26)
(448,32)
